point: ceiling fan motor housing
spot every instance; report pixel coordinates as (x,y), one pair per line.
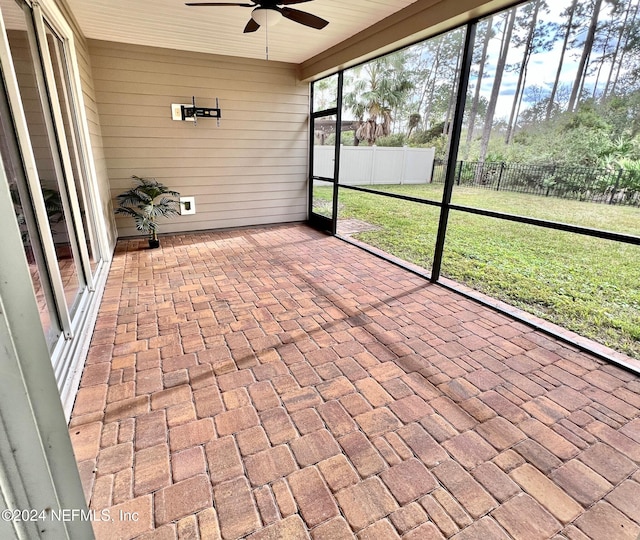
(269,12)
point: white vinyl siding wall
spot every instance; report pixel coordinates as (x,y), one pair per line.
(251,170)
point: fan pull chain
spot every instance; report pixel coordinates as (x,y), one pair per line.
(266,37)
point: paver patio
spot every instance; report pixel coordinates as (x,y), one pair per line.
(278,383)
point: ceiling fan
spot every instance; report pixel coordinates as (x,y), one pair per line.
(269,12)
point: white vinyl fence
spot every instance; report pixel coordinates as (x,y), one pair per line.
(368,165)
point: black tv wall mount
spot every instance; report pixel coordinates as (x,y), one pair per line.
(194,112)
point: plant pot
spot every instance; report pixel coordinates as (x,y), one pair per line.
(153,244)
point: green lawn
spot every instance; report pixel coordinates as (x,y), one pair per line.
(588,285)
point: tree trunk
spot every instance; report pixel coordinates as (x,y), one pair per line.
(424,86)
(614,58)
(556,82)
(436,67)
(446,130)
(624,48)
(454,85)
(428,87)
(430,83)
(522,76)
(586,53)
(602,60)
(476,96)
(495,90)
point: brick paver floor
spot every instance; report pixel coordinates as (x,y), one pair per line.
(277,383)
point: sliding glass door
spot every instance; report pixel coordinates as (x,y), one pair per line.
(46,166)
(27,221)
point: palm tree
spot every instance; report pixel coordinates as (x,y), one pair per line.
(378,88)
(414,122)
(147,202)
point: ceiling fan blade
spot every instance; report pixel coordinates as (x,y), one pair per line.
(252,26)
(209,4)
(289,2)
(303,17)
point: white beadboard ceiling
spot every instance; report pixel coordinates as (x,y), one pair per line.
(219,30)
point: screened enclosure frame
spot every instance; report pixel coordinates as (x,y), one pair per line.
(317,220)
(445,205)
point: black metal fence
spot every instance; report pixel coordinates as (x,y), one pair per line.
(580,183)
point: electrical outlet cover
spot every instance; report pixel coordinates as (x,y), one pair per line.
(176,111)
(187,206)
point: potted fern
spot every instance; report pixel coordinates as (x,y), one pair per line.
(145,203)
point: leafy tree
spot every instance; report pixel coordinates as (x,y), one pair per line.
(569,14)
(587,47)
(395,140)
(484,34)
(622,10)
(539,98)
(534,40)
(509,23)
(571,119)
(374,90)
(325,93)
(434,74)
(630,59)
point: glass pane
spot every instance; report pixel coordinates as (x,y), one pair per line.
(324,138)
(587,285)
(404,229)
(398,111)
(52,182)
(551,119)
(322,198)
(325,93)
(63,85)
(26,221)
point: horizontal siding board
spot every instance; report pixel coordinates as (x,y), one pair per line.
(230,114)
(184,176)
(185,57)
(251,170)
(225,184)
(181,153)
(204,124)
(243,92)
(130,146)
(241,204)
(247,124)
(115,101)
(209,71)
(201,132)
(230,103)
(208,163)
(229,219)
(166,80)
(227,208)
(272,192)
(238,201)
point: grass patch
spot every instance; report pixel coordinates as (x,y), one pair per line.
(587,285)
